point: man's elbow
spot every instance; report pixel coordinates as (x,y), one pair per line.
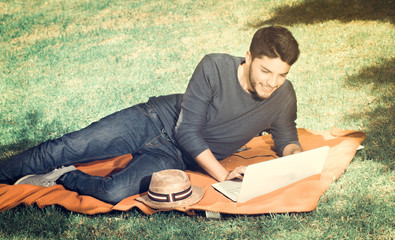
(291,148)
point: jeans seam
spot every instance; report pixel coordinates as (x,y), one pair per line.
(159,142)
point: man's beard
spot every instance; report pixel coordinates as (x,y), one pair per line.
(256,97)
(254,93)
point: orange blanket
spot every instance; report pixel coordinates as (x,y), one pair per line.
(301,196)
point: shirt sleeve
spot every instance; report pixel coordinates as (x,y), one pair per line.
(194,107)
(283,129)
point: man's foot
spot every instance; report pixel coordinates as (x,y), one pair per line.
(46,179)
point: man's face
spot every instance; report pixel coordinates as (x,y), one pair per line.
(266,75)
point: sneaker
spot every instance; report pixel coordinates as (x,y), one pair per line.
(46,179)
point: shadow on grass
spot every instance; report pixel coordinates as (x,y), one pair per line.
(378,116)
(35,130)
(317,11)
(32,222)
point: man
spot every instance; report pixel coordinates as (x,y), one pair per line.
(228,101)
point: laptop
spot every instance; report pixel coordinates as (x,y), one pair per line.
(265,177)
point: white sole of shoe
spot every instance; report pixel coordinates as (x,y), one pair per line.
(23,178)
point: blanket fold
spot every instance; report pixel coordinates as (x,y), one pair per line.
(301,196)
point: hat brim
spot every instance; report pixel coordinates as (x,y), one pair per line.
(196,196)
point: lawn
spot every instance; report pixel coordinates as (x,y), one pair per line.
(65,64)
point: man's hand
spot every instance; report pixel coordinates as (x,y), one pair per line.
(236,173)
(211,165)
(291,149)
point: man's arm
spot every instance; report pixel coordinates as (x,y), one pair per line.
(210,164)
(193,117)
(194,107)
(284,132)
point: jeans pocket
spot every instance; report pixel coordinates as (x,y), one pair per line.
(155,143)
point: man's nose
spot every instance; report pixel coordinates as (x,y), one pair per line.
(272,81)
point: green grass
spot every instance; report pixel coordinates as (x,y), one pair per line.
(64,64)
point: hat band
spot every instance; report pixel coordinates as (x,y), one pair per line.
(171,197)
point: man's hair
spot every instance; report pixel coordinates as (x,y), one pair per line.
(274,42)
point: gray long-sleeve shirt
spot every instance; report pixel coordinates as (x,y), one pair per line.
(216,113)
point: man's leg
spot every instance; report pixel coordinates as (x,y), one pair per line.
(134,179)
(121,133)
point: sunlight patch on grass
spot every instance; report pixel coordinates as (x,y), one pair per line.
(366,187)
(327,60)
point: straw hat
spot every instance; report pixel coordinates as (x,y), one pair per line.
(170,189)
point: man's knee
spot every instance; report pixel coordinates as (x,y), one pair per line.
(113,193)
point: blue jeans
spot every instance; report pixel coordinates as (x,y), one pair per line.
(136,130)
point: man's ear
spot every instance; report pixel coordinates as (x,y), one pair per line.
(248,57)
